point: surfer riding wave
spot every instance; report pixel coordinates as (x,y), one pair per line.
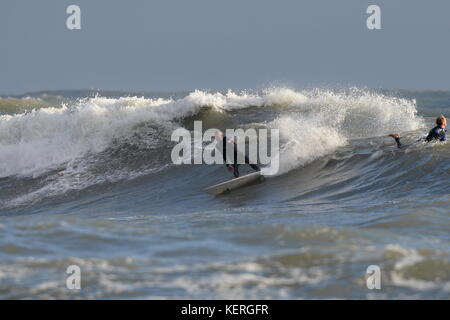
(222,143)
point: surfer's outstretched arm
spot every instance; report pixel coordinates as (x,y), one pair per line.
(396,137)
(437,133)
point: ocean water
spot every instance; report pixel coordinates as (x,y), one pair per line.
(86,179)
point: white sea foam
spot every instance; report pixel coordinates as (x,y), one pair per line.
(33,142)
(316,123)
(324,120)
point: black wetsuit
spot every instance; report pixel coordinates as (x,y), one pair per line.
(437,133)
(235,165)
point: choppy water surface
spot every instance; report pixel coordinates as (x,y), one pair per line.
(87,179)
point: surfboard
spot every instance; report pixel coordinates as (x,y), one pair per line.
(233,184)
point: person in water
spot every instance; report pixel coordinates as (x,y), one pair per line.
(222,143)
(437,133)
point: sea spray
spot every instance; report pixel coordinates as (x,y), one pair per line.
(99,133)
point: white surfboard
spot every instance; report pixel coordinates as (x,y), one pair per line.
(233,184)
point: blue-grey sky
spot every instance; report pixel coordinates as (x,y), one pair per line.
(210,44)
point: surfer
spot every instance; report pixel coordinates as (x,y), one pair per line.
(437,133)
(221,146)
